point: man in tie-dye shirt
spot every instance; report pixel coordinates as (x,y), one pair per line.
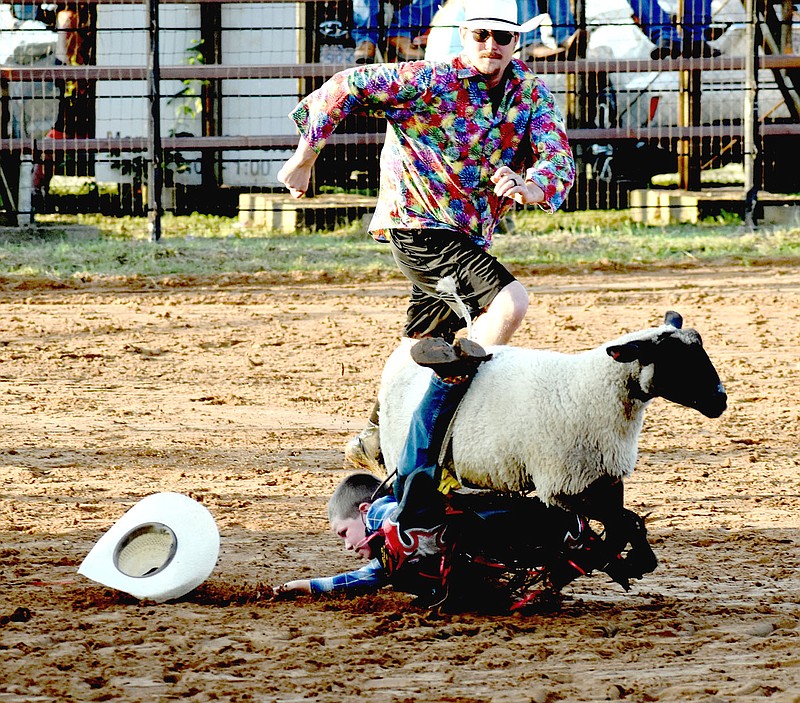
(466,139)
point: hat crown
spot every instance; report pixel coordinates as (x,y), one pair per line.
(492,12)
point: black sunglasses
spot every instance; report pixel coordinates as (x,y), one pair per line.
(500,37)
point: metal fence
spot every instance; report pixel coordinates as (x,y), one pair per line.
(122,107)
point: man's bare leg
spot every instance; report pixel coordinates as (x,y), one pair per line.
(503,316)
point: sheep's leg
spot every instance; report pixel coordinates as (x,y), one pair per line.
(604,500)
(641,558)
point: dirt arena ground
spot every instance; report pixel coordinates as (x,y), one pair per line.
(241,394)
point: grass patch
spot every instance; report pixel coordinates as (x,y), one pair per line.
(87,247)
(611,238)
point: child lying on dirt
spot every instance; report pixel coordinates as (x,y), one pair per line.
(466,563)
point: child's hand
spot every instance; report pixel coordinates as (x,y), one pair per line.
(299,586)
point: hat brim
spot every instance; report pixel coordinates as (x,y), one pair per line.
(502,25)
(492,24)
(195,541)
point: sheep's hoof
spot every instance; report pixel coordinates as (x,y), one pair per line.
(634,565)
(618,573)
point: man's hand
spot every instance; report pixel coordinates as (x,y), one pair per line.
(296,172)
(299,586)
(511,185)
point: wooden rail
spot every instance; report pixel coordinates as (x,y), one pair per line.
(322,70)
(289,141)
(312,70)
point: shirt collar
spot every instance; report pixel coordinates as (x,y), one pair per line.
(514,73)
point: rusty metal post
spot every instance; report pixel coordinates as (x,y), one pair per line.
(752,135)
(689,104)
(579,78)
(787,10)
(211,94)
(155,171)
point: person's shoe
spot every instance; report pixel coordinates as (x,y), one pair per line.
(575,45)
(666,49)
(699,50)
(400,48)
(365,52)
(461,358)
(364,450)
(542,52)
(571,48)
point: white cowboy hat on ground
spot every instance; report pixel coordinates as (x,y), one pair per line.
(163,547)
(497,14)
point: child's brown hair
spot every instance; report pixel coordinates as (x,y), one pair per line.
(352,492)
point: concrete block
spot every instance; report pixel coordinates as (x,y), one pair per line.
(781,215)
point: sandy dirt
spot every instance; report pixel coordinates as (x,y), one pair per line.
(242,394)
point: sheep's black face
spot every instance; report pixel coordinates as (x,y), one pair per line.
(681,370)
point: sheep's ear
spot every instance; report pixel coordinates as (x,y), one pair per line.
(625,353)
(673,318)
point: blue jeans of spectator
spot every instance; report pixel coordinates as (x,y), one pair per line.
(657,25)
(429,424)
(655,22)
(560,12)
(410,19)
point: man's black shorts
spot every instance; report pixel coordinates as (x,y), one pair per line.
(425,257)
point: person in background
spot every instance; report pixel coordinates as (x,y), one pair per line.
(654,22)
(570,41)
(410,19)
(73,120)
(466,140)
(659,28)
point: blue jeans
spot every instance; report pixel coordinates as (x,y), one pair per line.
(429,424)
(657,26)
(409,20)
(655,22)
(560,12)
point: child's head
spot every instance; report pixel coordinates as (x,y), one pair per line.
(347,509)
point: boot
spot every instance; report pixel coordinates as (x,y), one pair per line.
(365,52)
(571,48)
(402,49)
(449,361)
(699,50)
(666,49)
(364,450)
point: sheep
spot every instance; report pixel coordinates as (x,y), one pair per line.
(564,425)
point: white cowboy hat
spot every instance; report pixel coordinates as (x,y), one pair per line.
(162,548)
(497,14)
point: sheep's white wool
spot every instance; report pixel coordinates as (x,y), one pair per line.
(531,419)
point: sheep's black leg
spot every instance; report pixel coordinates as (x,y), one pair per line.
(603,501)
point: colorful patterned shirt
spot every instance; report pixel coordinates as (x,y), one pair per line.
(444,141)
(371,576)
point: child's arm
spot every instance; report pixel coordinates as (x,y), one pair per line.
(300,585)
(367,578)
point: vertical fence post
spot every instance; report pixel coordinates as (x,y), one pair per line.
(752,133)
(211,96)
(155,173)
